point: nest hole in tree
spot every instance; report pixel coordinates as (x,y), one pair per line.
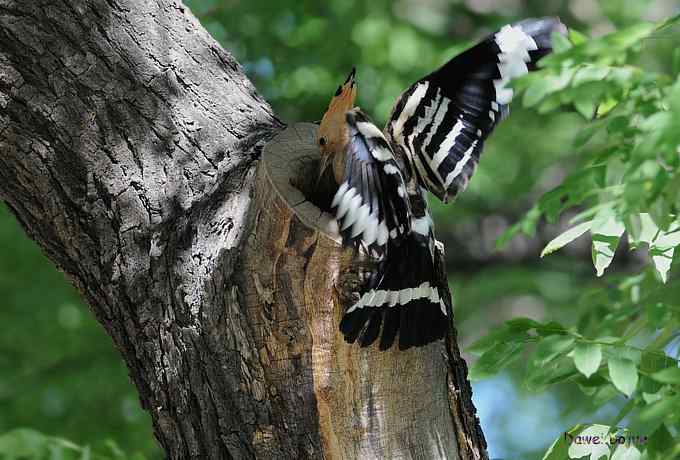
(291,162)
(318,191)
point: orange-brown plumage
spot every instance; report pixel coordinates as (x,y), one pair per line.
(333,134)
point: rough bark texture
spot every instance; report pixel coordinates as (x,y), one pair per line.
(128,148)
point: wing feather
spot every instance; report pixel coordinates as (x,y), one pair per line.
(368,201)
(441,122)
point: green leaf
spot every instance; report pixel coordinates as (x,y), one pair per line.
(604,248)
(661,243)
(669,238)
(669,22)
(549,84)
(576,37)
(502,334)
(527,226)
(671,375)
(587,358)
(648,229)
(86,454)
(662,260)
(586,107)
(548,348)
(604,394)
(628,37)
(606,229)
(522,324)
(590,385)
(676,61)
(623,373)
(624,352)
(566,238)
(558,450)
(653,415)
(606,106)
(657,313)
(23,443)
(607,223)
(495,359)
(626,452)
(608,339)
(549,363)
(590,73)
(653,361)
(587,133)
(541,375)
(551,328)
(591,442)
(560,43)
(660,440)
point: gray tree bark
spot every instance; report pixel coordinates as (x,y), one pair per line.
(129,145)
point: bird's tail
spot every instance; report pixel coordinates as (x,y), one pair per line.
(404,303)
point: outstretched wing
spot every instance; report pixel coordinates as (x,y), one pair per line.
(371,205)
(441,122)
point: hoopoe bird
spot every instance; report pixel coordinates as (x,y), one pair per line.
(431,143)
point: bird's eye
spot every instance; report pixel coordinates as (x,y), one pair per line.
(322,141)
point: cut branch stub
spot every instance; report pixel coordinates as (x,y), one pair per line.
(358,402)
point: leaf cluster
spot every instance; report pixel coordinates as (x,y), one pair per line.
(626,186)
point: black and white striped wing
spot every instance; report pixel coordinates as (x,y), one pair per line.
(441,122)
(406,305)
(371,205)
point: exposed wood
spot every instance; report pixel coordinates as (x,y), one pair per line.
(128,146)
(370,404)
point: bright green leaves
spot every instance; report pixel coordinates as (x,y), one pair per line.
(587,358)
(495,359)
(559,450)
(626,452)
(652,415)
(623,373)
(566,238)
(607,50)
(631,172)
(597,442)
(670,375)
(500,347)
(505,344)
(623,184)
(590,443)
(606,231)
(661,243)
(559,354)
(549,364)
(22,444)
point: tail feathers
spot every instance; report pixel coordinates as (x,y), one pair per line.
(415,323)
(402,303)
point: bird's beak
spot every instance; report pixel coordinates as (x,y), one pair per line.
(322,168)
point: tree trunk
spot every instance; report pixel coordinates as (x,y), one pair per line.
(128,150)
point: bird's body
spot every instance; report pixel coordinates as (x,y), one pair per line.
(432,142)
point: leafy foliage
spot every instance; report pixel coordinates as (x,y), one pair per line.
(626,186)
(23,443)
(296,52)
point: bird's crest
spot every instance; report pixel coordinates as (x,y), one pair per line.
(341,103)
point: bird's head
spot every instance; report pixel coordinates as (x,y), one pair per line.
(333,133)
